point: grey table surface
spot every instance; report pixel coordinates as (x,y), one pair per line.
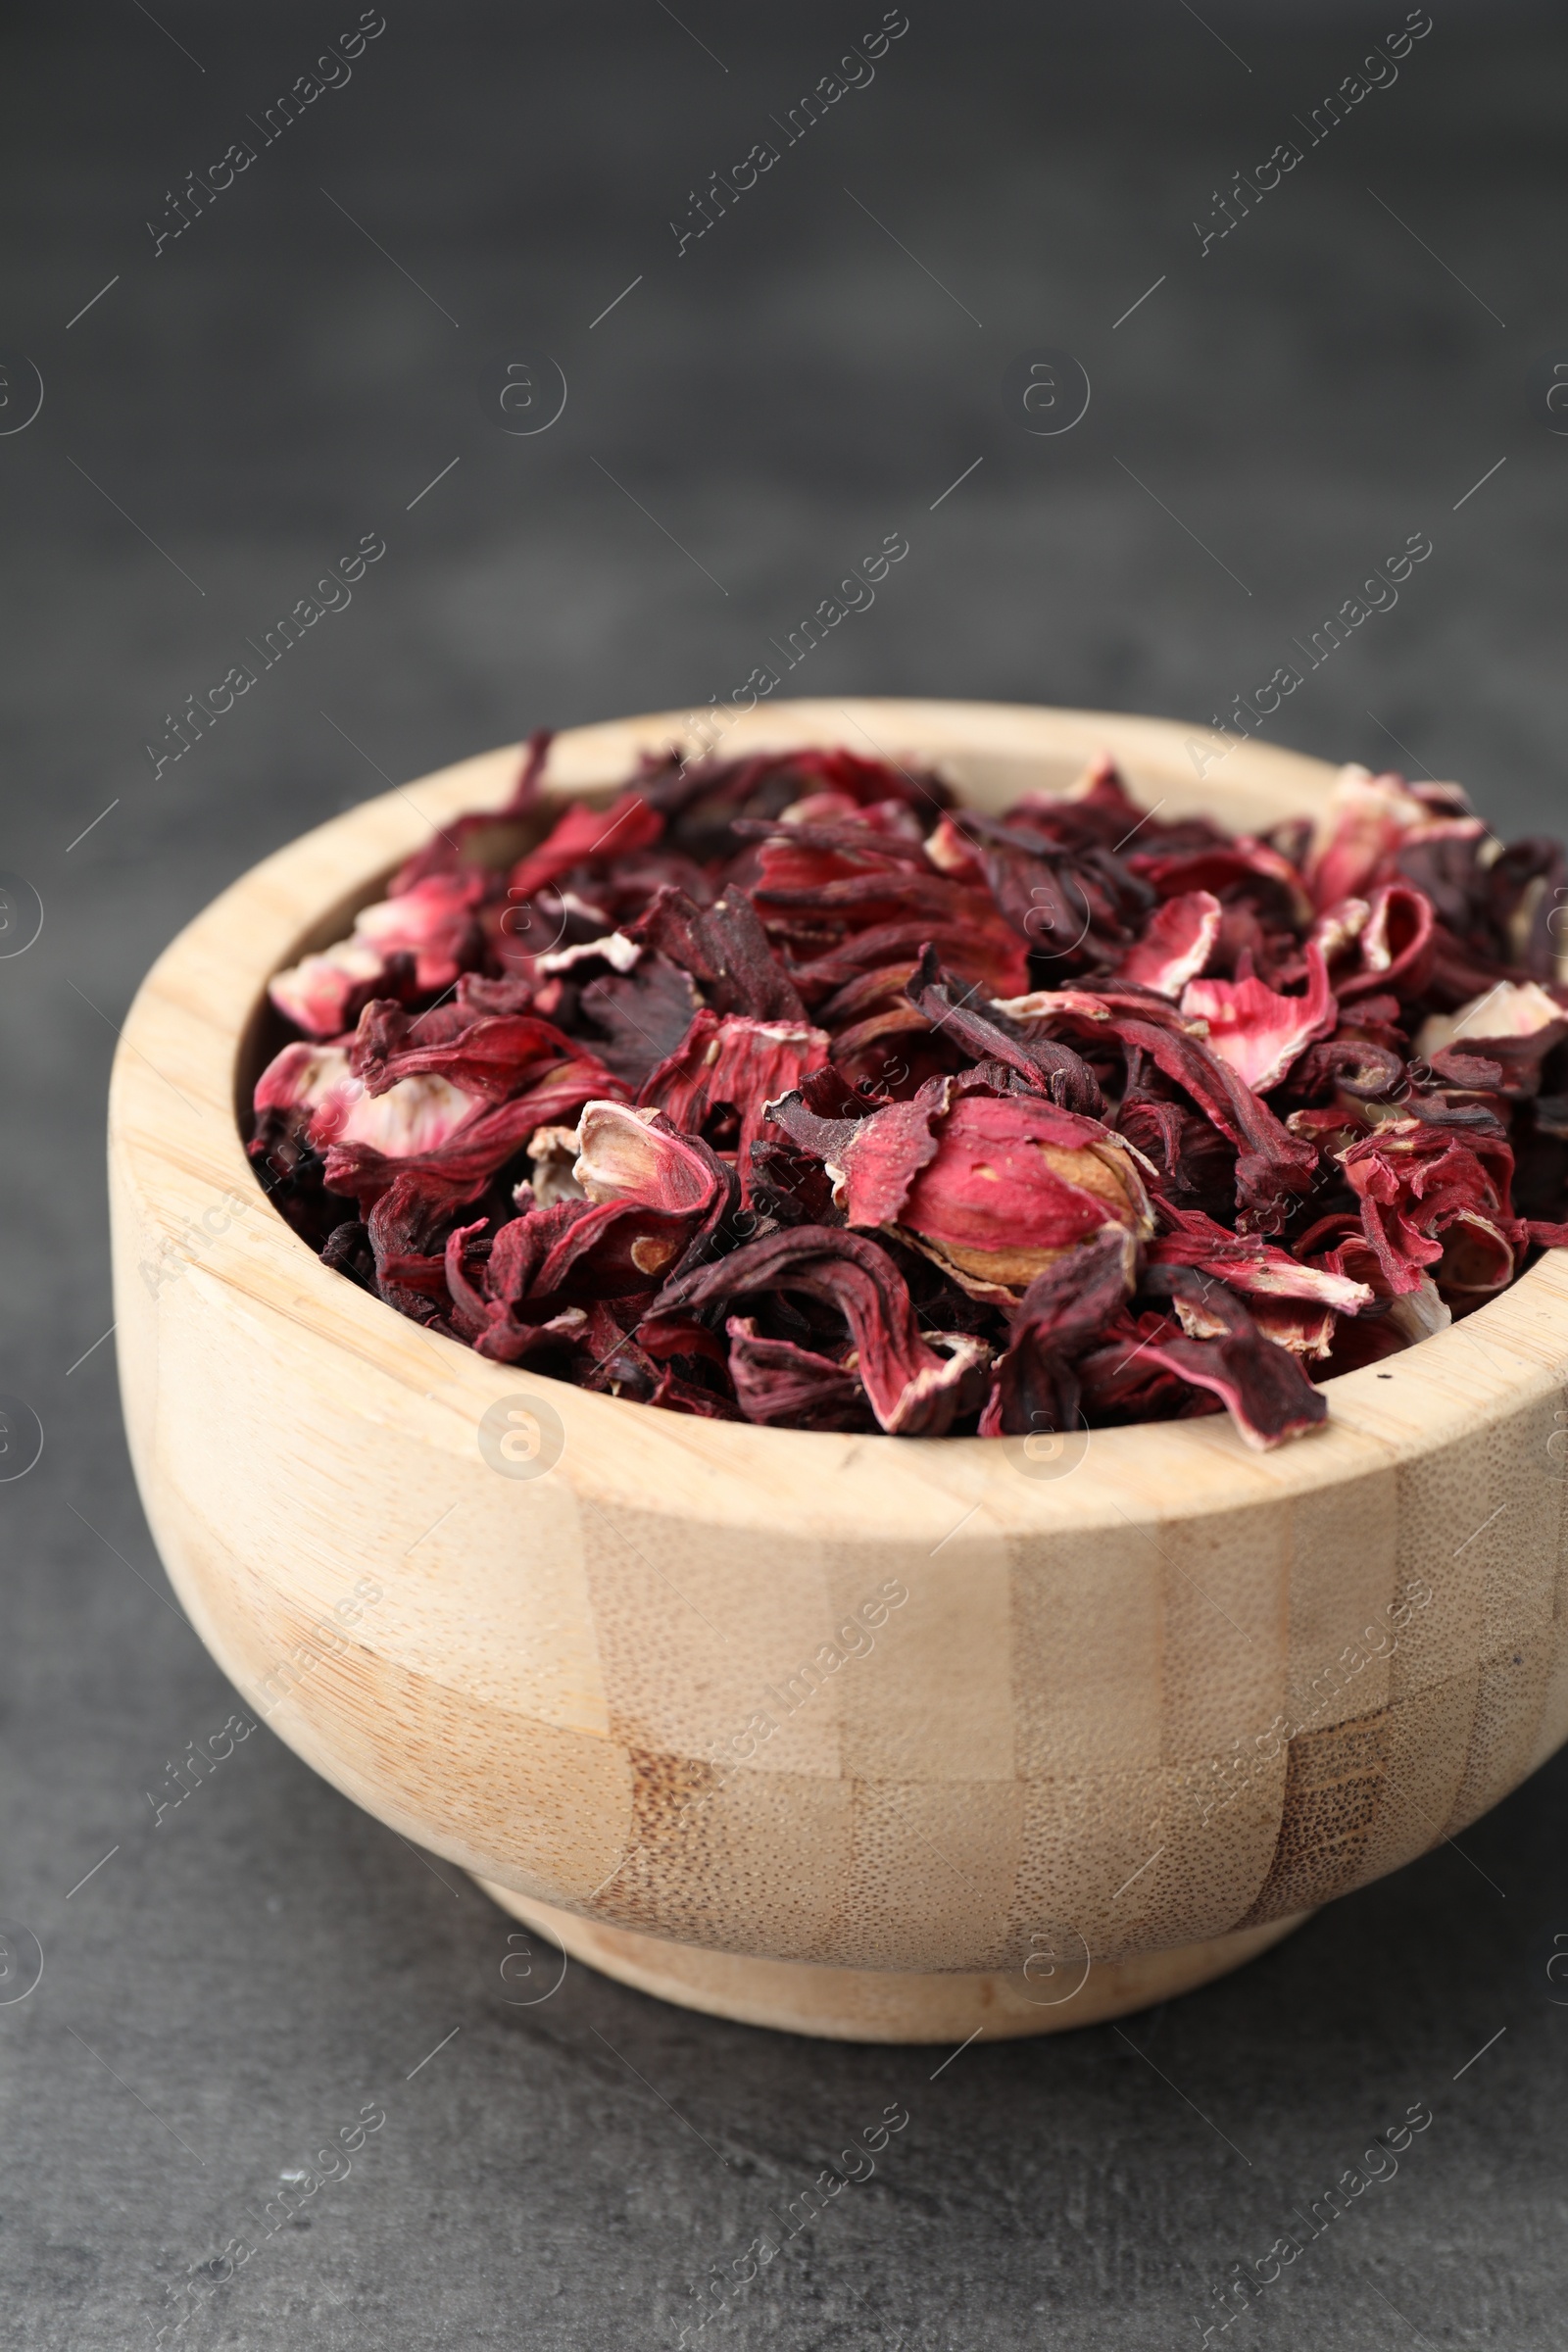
(226,411)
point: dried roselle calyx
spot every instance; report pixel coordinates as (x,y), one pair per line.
(913,1388)
(1067,1306)
(1176,943)
(1260,1033)
(640,1156)
(635,1017)
(785,1089)
(435,921)
(725,950)
(728,1061)
(990,1035)
(786,1387)
(1221,1349)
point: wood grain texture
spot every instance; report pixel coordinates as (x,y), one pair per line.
(1116,1702)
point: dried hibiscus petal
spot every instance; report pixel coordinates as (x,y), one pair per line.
(1428,1199)
(1034,1387)
(490,1056)
(565,1103)
(726,1060)
(467,1150)
(990,1035)
(1361,833)
(641,1014)
(1222,1349)
(912,1390)
(583,835)
(1176,943)
(1257,1031)
(783,1386)
(1250,1265)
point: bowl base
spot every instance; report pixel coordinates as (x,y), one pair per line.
(873,2004)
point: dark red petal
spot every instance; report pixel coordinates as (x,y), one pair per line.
(1064,1311)
(725,950)
(987,1034)
(1271,1163)
(728,1060)
(785,1387)
(494,1055)
(1268,1395)
(914,1391)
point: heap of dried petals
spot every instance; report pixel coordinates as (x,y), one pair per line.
(784,1090)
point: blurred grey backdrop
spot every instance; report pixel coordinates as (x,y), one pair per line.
(317,354)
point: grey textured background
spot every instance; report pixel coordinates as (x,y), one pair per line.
(228,1990)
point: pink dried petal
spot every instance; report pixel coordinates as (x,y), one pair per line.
(1396,943)
(1359,833)
(952,851)
(1011,1189)
(1176,943)
(1045,1008)
(1415,1181)
(1308,1331)
(301,1078)
(1340,926)
(322,994)
(1250,1265)
(1257,1031)
(1478,1258)
(414,1116)
(472,1152)
(966,1161)
(821,808)
(1508,1008)
(434,922)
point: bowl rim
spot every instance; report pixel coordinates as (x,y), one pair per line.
(182,1055)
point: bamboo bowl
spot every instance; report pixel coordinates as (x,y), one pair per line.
(1138,1711)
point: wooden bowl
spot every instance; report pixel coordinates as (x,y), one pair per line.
(877,1737)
